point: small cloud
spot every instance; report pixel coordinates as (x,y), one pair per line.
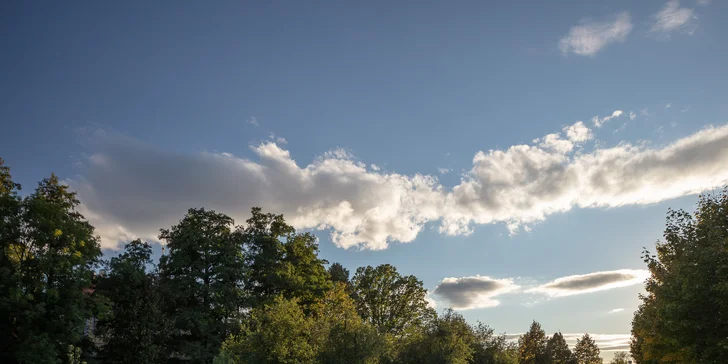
(704,2)
(444,170)
(671,17)
(616,310)
(632,115)
(473,292)
(592,282)
(590,37)
(374,167)
(578,132)
(621,128)
(598,122)
(252,120)
(685,109)
(645,112)
(277,139)
(669,105)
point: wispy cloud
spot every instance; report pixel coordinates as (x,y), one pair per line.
(590,37)
(592,282)
(632,115)
(669,105)
(363,207)
(444,170)
(616,310)
(253,121)
(473,292)
(671,18)
(599,122)
(277,139)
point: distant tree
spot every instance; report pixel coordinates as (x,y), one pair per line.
(49,253)
(532,345)
(489,348)
(683,316)
(338,273)
(557,351)
(446,339)
(137,329)
(389,301)
(586,351)
(201,277)
(620,357)
(281,261)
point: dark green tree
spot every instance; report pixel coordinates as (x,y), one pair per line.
(281,261)
(202,277)
(389,301)
(137,329)
(445,339)
(683,316)
(620,357)
(49,253)
(532,346)
(489,348)
(586,351)
(338,273)
(557,351)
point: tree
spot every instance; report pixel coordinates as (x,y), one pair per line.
(338,273)
(445,339)
(489,348)
(532,345)
(281,261)
(620,357)
(137,329)
(586,351)
(201,277)
(683,316)
(49,253)
(389,301)
(557,351)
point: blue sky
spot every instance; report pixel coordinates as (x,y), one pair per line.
(149,108)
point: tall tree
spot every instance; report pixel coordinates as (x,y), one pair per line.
(532,345)
(557,351)
(389,301)
(492,349)
(445,339)
(620,357)
(137,329)
(281,261)
(338,273)
(50,252)
(11,296)
(586,351)
(683,316)
(202,276)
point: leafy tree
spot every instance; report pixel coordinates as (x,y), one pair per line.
(281,261)
(620,357)
(389,301)
(202,276)
(445,339)
(49,253)
(683,316)
(557,351)
(338,273)
(586,351)
(532,345)
(489,348)
(138,327)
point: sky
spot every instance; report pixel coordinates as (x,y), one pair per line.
(515,156)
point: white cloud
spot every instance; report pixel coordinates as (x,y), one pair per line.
(704,2)
(590,37)
(444,170)
(669,105)
(253,121)
(578,132)
(277,139)
(645,112)
(374,167)
(671,17)
(632,116)
(473,292)
(605,342)
(599,122)
(616,310)
(592,282)
(131,189)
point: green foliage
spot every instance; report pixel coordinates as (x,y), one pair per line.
(74,355)
(445,339)
(338,273)
(492,349)
(557,351)
(532,346)
(49,252)
(389,301)
(202,275)
(683,316)
(281,262)
(586,351)
(138,328)
(620,357)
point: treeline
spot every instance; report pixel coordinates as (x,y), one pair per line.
(259,293)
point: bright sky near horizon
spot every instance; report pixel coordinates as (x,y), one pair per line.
(515,156)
